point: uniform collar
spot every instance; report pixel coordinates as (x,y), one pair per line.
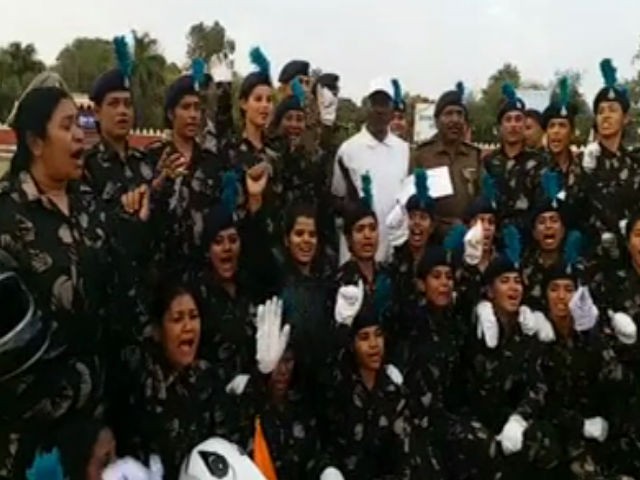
(371,141)
(28,187)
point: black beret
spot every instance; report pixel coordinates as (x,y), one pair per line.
(447,99)
(253,80)
(612,94)
(509,106)
(356,211)
(499,266)
(554,110)
(180,88)
(293,69)
(480,205)
(366,317)
(110,81)
(289,104)
(534,114)
(414,203)
(435,256)
(328,80)
(543,204)
(559,271)
(215,221)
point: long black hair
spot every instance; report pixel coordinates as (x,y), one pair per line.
(166,291)
(33,115)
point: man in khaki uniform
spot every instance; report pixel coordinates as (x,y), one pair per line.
(448,148)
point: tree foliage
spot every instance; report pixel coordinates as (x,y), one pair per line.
(81,61)
(18,65)
(204,41)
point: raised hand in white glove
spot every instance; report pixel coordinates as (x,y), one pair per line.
(583,310)
(394,374)
(527,321)
(237,385)
(221,68)
(512,434)
(331,473)
(624,327)
(487,324)
(127,469)
(590,156)
(348,302)
(271,337)
(397,225)
(473,241)
(596,428)
(327,106)
(156,468)
(544,329)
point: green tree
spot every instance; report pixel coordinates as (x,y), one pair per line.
(204,41)
(18,65)
(83,60)
(484,110)
(151,76)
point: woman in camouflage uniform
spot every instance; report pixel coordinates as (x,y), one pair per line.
(68,254)
(172,395)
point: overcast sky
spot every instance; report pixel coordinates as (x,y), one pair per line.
(428,44)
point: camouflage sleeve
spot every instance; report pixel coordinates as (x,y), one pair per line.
(535,396)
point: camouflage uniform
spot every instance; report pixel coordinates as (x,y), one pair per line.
(517,181)
(181,204)
(168,412)
(109,176)
(290,430)
(506,380)
(430,359)
(585,380)
(242,155)
(75,268)
(612,190)
(370,430)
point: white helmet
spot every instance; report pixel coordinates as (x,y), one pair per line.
(218,459)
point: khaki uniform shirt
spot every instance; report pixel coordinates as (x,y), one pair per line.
(465,168)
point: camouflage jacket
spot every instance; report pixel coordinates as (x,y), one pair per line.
(517,181)
(370,429)
(611,189)
(74,265)
(505,380)
(228,328)
(168,412)
(179,208)
(110,176)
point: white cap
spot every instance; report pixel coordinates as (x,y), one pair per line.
(381,84)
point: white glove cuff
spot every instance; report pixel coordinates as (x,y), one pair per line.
(331,473)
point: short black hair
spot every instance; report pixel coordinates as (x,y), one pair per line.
(166,291)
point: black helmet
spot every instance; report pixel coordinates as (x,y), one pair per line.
(24,336)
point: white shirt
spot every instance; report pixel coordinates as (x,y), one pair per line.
(387,163)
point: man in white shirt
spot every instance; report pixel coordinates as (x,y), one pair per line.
(377,151)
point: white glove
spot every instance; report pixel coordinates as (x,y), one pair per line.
(512,434)
(327,106)
(271,337)
(624,327)
(473,241)
(394,374)
(128,469)
(527,321)
(348,303)
(583,310)
(331,473)
(596,428)
(590,157)
(237,385)
(397,225)
(544,329)
(487,324)
(221,68)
